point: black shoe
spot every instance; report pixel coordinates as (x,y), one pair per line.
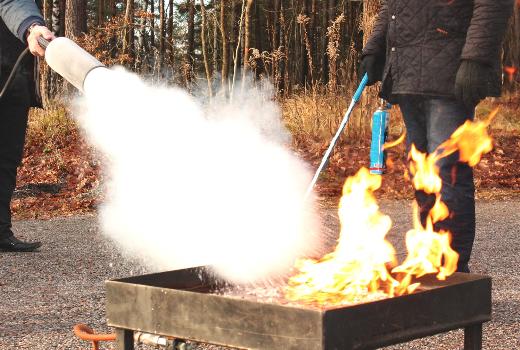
(13,244)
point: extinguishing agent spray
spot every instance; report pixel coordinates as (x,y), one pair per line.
(379,135)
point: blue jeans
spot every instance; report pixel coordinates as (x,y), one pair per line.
(429,122)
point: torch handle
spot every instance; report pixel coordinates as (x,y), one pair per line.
(325,159)
(43,42)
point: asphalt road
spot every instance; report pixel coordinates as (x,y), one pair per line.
(43,294)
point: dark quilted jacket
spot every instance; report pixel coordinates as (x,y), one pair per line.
(421,43)
(15,18)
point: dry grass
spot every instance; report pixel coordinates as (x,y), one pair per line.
(48,126)
(310,116)
(315,117)
(508,117)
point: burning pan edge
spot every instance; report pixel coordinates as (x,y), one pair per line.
(175,304)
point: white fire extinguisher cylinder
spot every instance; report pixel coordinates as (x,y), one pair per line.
(70,61)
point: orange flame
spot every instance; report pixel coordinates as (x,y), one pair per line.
(510,71)
(359,268)
(428,252)
(471,140)
(358,265)
(391,144)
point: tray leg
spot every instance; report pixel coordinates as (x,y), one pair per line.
(473,337)
(124,339)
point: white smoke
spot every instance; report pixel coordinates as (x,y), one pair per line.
(192,185)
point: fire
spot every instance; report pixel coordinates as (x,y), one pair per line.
(428,252)
(392,144)
(363,265)
(471,140)
(510,71)
(358,266)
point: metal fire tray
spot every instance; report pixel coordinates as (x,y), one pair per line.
(179,304)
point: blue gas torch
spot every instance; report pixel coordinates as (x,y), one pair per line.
(379,135)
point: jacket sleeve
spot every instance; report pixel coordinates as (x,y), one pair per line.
(376,44)
(487,30)
(19,15)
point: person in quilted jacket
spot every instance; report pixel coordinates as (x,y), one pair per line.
(437,59)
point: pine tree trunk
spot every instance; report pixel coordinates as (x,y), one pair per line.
(190,47)
(128,38)
(45,80)
(511,58)
(225,47)
(152,23)
(170,33)
(215,37)
(74,22)
(100,12)
(324,58)
(247,36)
(276,45)
(143,43)
(204,50)
(162,23)
(233,35)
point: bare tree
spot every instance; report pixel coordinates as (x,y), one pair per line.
(75,14)
(215,36)
(190,44)
(225,51)
(171,32)
(152,23)
(162,23)
(204,50)
(247,36)
(128,38)
(100,12)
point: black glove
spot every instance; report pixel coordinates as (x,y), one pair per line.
(372,65)
(471,82)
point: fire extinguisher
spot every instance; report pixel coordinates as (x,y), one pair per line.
(379,134)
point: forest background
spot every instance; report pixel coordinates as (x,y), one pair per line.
(308,50)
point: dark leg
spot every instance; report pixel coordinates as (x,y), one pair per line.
(414,116)
(473,337)
(7,185)
(124,339)
(14,108)
(458,190)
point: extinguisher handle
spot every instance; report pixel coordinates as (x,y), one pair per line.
(43,42)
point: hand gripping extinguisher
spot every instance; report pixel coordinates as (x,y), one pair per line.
(379,135)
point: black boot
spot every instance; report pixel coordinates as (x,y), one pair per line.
(8,242)
(13,244)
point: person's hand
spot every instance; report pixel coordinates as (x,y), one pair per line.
(32,39)
(373,67)
(471,82)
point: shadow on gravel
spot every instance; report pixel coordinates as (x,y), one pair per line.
(33,190)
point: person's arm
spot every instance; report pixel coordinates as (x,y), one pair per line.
(487,30)
(24,20)
(479,55)
(374,53)
(376,44)
(19,15)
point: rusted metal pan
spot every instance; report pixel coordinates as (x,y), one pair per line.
(180,304)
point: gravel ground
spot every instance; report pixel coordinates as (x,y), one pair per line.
(44,294)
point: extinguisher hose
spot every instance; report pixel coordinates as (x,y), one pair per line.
(43,43)
(13,72)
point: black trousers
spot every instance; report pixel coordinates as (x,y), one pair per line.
(429,122)
(14,108)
